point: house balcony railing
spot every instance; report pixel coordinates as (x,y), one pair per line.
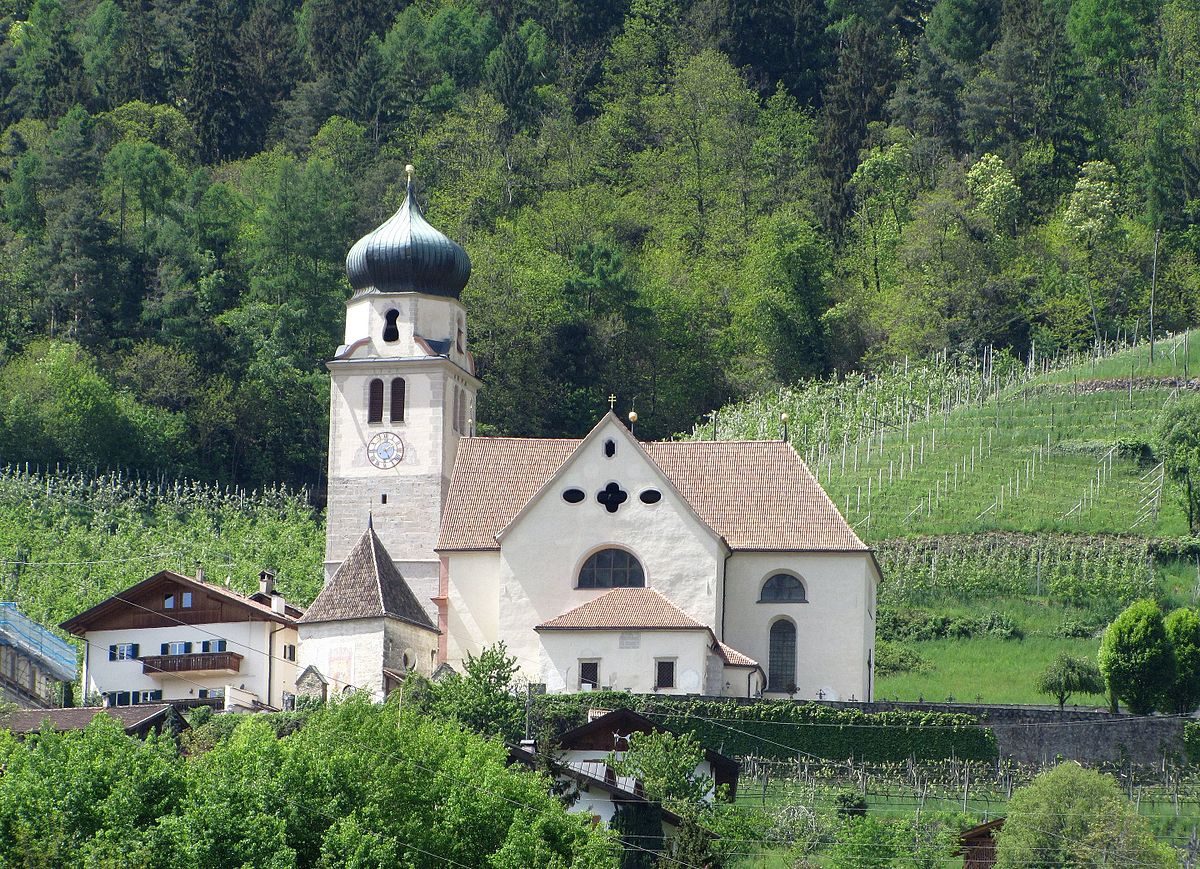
(202,662)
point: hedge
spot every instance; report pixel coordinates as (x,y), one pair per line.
(768,728)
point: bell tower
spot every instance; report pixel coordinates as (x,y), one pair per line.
(402,393)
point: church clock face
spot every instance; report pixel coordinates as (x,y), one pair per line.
(386,450)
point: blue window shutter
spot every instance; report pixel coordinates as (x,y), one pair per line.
(135,649)
(112,653)
(163,649)
(187,648)
(204,646)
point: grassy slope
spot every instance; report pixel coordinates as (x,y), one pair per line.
(1039,445)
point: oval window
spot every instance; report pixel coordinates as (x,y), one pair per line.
(573,496)
(651,496)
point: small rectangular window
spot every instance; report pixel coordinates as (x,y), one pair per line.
(210,693)
(124,699)
(213,646)
(589,674)
(122,652)
(176,648)
(168,601)
(664,674)
(289,652)
(383,499)
(186,600)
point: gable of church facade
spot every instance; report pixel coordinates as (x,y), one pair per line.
(546,546)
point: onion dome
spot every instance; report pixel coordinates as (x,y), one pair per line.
(407,255)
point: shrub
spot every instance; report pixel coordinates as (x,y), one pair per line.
(1183,630)
(1067,675)
(891,658)
(1136,658)
(850,803)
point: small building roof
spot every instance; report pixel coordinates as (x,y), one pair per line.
(125,599)
(367,585)
(135,719)
(625,609)
(733,657)
(757,495)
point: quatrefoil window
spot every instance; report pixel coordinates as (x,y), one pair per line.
(612,497)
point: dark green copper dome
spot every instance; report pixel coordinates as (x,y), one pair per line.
(407,255)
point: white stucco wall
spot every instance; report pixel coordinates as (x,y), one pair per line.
(473,604)
(544,548)
(834,629)
(349,654)
(625,669)
(248,639)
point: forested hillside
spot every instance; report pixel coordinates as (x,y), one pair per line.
(682,202)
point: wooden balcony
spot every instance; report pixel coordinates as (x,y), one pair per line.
(198,663)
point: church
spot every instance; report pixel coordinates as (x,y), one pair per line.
(689,567)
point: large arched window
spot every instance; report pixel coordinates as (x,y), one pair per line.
(612,568)
(781,658)
(783,588)
(375,401)
(397,414)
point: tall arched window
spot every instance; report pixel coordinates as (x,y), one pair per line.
(781,659)
(462,412)
(375,401)
(612,568)
(390,332)
(783,588)
(459,343)
(397,414)
(457,409)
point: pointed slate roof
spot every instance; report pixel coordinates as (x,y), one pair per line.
(367,585)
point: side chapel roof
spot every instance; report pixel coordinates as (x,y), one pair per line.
(624,608)
(367,585)
(757,495)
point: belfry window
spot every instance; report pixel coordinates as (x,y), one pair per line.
(397,414)
(457,410)
(781,666)
(612,568)
(375,401)
(459,343)
(390,331)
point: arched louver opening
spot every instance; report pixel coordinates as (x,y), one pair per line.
(390,331)
(781,666)
(375,401)
(397,414)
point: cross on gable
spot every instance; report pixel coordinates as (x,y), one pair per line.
(612,497)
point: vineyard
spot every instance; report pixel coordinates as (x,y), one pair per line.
(804,797)
(958,446)
(67,541)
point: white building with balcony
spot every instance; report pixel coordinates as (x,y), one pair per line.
(176,637)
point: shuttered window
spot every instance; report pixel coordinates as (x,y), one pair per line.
(375,401)
(397,414)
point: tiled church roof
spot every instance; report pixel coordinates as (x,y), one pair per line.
(367,585)
(755,494)
(733,657)
(624,608)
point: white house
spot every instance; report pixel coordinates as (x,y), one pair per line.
(176,637)
(680,567)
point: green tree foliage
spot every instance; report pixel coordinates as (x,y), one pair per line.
(753,192)
(483,697)
(358,784)
(1067,675)
(1070,816)
(1179,447)
(1183,630)
(1136,658)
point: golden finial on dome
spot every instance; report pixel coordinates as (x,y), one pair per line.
(409,169)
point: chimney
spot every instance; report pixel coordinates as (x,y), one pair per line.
(199,572)
(278,605)
(266,582)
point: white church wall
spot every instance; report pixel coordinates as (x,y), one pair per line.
(627,659)
(833,631)
(473,605)
(348,653)
(544,548)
